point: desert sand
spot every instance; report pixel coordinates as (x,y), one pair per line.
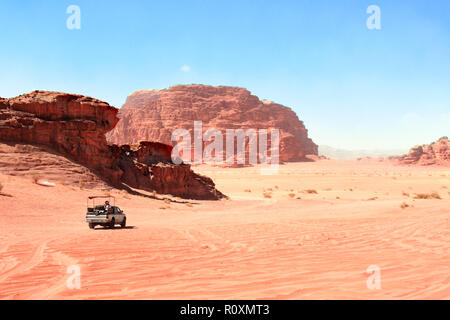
(289,244)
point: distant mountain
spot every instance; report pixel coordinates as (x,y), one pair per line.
(342,154)
(435,153)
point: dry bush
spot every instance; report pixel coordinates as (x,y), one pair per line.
(406,194)
(267,194)
(310,191)
(276,187)
(328,189)
(372,199)
(167,201)
(189,205)
(404,205)
(338,198)
(291,195)
(35,178)
(247,190)
(433,195)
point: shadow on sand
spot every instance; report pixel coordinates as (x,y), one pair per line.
(116,228)
(137,193)
(6,195)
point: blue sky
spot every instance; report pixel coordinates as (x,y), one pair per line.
(353,87)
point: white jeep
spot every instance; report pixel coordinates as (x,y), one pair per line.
(104,214)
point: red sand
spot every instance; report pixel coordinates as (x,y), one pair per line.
(248,247)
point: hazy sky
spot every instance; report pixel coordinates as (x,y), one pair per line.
(353,87)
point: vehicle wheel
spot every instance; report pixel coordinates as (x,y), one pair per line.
(112,224)
(124,223)
(91,225)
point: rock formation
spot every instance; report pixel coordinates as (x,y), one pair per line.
(435,153)
(155,114)
(75,126)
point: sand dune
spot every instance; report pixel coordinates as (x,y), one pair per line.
(292,244)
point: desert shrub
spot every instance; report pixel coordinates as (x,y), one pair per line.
(404,205)
(267,194)
(291,195)
(372,199)
(247,190)
(35,178)
(433,195)
(406,194)
(310,191)
(167,201)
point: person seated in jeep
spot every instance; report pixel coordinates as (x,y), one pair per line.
(107,206)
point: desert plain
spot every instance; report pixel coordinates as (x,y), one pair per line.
(310,231)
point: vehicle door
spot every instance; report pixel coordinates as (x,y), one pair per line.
(118,215)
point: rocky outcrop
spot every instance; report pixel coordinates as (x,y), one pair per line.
(435,153)
(155,114)
(72,125)
(149,166)
(75,126)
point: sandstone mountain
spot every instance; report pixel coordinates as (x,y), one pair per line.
(74,126)
(154,114)
(435,153)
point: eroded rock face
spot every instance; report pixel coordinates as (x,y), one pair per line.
(154,114)
(148,166)
(435,153)
(75,126)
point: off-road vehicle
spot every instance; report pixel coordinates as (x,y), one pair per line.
(103,213)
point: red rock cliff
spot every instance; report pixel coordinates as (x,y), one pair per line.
(435,153)
(75,126)
(155,114)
